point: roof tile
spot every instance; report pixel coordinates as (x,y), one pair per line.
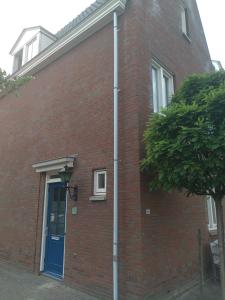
(80,18)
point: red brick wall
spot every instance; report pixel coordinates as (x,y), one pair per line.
(68,109)
(169,233)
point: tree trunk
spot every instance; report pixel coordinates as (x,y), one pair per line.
(220,231)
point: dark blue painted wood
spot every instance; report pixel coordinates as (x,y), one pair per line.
(54,251)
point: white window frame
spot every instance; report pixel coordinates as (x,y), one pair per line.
(33,53)
(159,98)
(97,190)
(185,21)
(211,207)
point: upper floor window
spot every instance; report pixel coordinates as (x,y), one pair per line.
(185,21)
(162,86)
(211,213)
(32,49)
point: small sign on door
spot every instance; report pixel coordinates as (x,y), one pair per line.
(55,238)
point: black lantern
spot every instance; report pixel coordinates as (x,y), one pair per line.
(65,176)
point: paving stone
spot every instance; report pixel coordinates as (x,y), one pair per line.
(211,291)
(19,284)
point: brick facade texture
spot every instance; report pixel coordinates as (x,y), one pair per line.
(68,109)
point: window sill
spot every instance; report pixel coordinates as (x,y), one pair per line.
(186,37)
(98,198)
(212,231)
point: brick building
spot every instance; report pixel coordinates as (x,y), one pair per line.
(64,117)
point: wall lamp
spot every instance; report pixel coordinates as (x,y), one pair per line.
(65,176)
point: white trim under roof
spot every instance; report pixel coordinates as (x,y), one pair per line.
(86,28)
(55,164)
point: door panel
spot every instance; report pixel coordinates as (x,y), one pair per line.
(54,251)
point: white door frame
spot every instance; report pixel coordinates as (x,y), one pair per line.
(44,223)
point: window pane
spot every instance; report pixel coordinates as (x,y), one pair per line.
(155,89)
(184,29)
(101,181)
(52,229)
(32,49)
(57,211)
(35,47)
(211,213)
(214,212)
(29,51)
(18,60)
(166,89)
(185,21)
(61,206)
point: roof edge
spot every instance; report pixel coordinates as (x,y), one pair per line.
(81,17)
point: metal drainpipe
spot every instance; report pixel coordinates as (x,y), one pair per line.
(115,211)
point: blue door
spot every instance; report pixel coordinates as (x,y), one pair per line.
(54,249)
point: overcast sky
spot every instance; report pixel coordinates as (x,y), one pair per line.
(53,15)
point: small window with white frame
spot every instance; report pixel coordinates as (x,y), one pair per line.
(211,207)
(162,86)
(185,21)
(100,182)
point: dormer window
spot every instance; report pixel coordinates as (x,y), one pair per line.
(32,49)
(29,44)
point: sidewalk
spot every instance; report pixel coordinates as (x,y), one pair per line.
(211,291)
(18,284)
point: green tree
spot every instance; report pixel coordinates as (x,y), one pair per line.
(185,145)
(8,84)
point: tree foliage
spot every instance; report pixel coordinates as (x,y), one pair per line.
(9,84)
(185,144)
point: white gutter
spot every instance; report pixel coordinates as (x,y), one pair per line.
(116,207)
